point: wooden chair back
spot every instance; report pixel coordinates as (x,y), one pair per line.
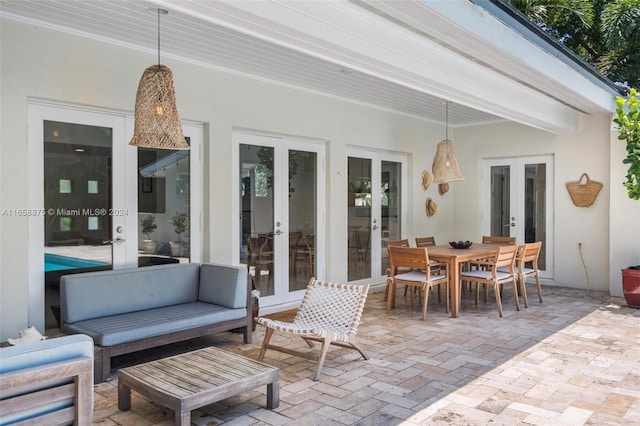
(408,257)
(530,253)
(505,257)
(398,243)
(488,239)
(425,241)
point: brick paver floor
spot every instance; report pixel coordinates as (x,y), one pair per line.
(572,360)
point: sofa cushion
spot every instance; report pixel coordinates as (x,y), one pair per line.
(224,285)
(129,327)
(48,351)
(100,294)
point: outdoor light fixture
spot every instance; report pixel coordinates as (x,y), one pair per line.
(445,165)
(157,123)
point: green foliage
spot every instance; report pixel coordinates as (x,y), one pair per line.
(179,222)
(605,33)
(628,123)
(265,155)
(148,225)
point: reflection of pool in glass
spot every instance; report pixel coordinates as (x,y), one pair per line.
(56,262)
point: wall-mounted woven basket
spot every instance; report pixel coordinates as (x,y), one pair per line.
(584,194)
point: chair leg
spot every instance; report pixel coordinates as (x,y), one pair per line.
(446,295)
(425,301)
(538,285)
(265,343)
(355,346)
(514,285)
(391,294)
(522,281)
(309,342)
(498,301)
(326,342)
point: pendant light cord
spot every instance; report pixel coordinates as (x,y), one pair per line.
(446,120)
(158,36)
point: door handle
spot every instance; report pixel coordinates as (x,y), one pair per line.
(278,232)
(118,240)
(374,227)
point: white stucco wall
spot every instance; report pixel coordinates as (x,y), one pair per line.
(41,63)
(46,64)
(624,226)
(586,150)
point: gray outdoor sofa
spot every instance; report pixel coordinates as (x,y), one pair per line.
(128,310)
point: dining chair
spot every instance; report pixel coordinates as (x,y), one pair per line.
(252,249)
(305,253)
(496,271)
(265,256)
(425,241)
(410,266)
(528,254)
(490,239)
(294,240)
(397,243)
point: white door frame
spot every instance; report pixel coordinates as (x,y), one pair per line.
(517,168)
(377,157)
(282,298)
(125,194)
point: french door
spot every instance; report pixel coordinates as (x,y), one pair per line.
(517,202)
(376,210)
(91,194)
(281,212)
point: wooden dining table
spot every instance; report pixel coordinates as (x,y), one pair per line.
(454,258)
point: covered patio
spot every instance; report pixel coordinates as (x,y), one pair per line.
(573,360)
(340,82)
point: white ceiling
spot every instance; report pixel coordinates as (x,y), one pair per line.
(405,56)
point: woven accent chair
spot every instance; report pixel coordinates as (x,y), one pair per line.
(329,313)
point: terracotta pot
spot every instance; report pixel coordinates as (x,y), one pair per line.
(631,287)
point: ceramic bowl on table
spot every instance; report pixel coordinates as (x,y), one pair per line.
(460,244)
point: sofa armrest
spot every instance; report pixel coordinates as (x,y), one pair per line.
(224,285)
(47,382)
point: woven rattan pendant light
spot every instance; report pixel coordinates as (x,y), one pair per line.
(157,123)
(445,164)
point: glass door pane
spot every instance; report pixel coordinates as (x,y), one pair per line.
(500,201)
(518,200)
(78,202)
(164,195)
(390,200)
(280,228)
(257,249)
(359,207)
(375,210)
(534,208)
(303,217)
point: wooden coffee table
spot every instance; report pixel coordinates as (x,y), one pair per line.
(192,380)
